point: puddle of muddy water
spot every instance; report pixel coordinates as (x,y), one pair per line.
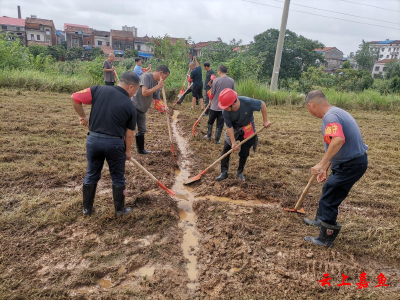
(105,283)
(187,216)
(146,271)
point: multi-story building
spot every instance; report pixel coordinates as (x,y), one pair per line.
(15,26)
(133,29)
(101,38)
(333,58)
(40,31)
(198,47)
(145,47)
(379,68)
(121,40)
(388,49)
(79,36)
(60,36)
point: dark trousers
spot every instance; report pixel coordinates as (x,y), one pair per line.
(188,91)
(206,101)
(243,154)
(216,115)
(109,83)
(111,149)
(338,185)
(141,123)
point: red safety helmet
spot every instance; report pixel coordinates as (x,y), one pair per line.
(213,77)
(226,98)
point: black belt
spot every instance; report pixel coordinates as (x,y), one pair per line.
(105,136)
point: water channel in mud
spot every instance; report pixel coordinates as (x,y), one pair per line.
(187,216)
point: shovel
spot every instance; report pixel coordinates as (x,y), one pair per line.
(169,125)
(171,192)
(197,177)
(298,208)
(184,94)
(183,87)
(198,120)
(116,74)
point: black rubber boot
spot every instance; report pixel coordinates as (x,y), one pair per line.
(327,235)
(218,133)
(209,132)
(119,200)
(316,222)
(222,176)
(242,163)
(140,145)
(89,191)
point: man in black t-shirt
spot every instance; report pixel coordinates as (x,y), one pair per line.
(196,78)
(111,127)
(207,84)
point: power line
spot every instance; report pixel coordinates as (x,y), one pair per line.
(336,12)
(371,6)
(308,13)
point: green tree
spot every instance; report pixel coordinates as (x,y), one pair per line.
(74,53)
(297,54)
(392,69)
(13,54)
(36,49)
(130,53)
(56,51)
(366,56)
(351,55)
(96,52)
(220,51)
(346,65)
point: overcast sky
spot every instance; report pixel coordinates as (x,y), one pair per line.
(209,19)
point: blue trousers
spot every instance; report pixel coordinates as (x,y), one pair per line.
(338,185)
(111,149)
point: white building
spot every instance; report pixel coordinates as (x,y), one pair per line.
(389,49)
(380,67)
(133,29)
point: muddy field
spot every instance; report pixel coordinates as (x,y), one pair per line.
(230,240)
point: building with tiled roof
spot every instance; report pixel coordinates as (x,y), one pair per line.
(333,58)
(145,46)
(379,68)
(121,40)
(101,38)
(15,26)
(388,49)
(40,31)
(79,36)
(196,48)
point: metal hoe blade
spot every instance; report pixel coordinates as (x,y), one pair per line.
(300,211)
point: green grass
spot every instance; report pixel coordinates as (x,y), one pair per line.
(40,81)
(367,100)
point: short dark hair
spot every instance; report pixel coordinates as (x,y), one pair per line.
(137,59)
(129,78)
(163,69)
(206,64)
(223,69)
(315,95)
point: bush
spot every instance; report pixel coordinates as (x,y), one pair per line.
(74,53)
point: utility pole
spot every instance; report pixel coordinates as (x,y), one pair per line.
(278,53)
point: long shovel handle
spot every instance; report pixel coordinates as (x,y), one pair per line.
(143,169)
(230,151)
(198,120)
(116,75)
(305,192)
(166,106)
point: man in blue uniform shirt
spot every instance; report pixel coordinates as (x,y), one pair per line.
(346,151)
(239,120)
